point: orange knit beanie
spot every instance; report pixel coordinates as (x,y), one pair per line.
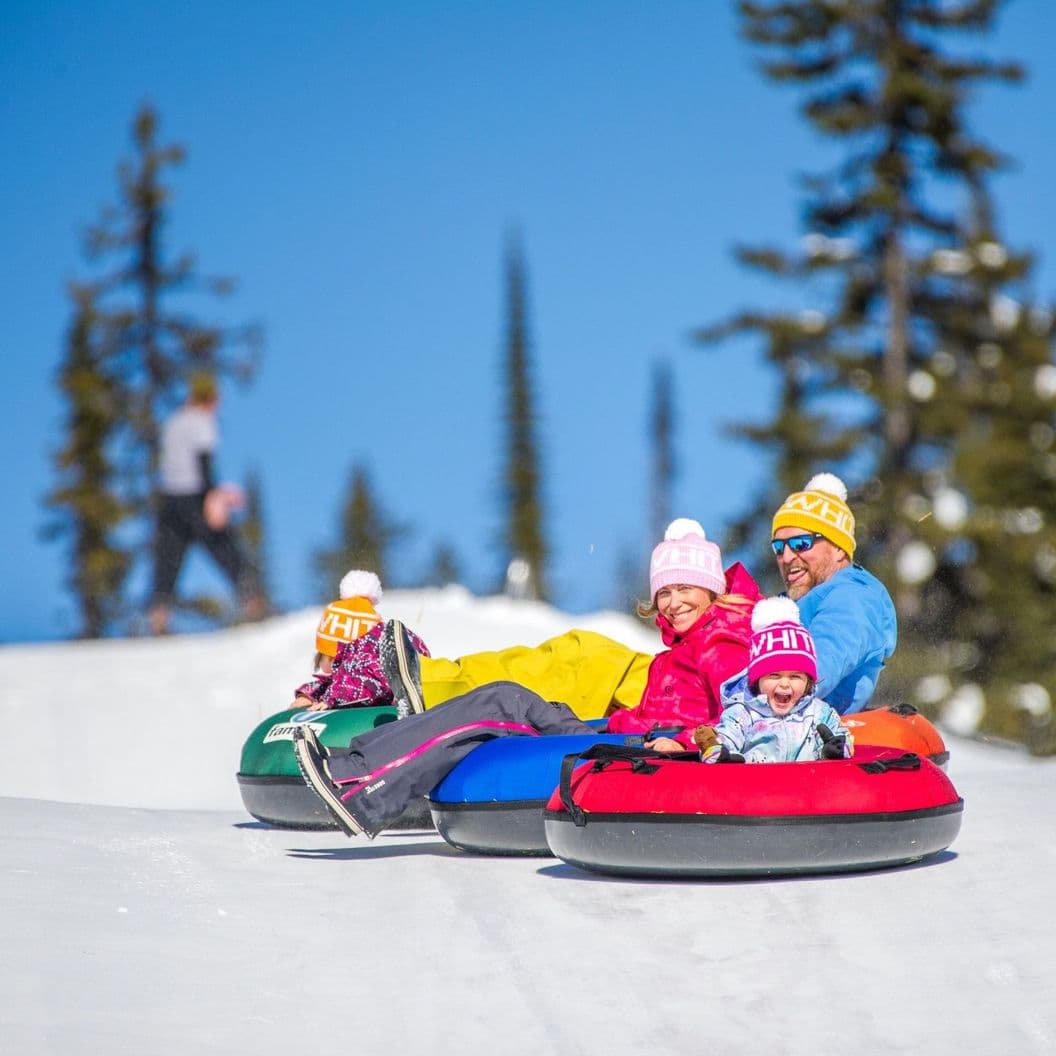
(352,615)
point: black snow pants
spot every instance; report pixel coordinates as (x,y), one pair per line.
(386,768)
(181,522)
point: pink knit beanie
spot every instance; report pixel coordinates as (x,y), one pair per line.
(779,642)
(686,556)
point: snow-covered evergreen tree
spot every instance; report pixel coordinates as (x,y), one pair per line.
(915,365)
(366,536)
(146,341)
(524,535)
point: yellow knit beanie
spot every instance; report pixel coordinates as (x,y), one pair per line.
(202,387)
(820,507)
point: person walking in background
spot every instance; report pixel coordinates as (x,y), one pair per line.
(193,508)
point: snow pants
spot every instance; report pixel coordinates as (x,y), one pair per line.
(181,522)
(389,766)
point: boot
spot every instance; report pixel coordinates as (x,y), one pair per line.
(399,661)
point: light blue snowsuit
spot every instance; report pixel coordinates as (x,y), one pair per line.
(749,727)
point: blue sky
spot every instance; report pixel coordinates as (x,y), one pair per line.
(356,167)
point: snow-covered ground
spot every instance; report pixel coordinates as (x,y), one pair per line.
(143,911)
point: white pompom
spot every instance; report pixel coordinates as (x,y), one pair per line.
(683,526)
(829,484)
(774,610)
(361,584)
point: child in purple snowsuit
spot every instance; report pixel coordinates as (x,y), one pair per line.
(350,641)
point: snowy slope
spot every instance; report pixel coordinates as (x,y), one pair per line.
(185,704)
(134,930)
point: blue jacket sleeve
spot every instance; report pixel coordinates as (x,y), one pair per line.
(841,644)
(853,624)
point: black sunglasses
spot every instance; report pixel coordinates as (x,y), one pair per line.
(796,543)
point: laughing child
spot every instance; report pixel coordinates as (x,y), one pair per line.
(783,721)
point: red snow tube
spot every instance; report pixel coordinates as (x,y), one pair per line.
(656,816)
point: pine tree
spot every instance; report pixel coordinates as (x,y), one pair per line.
(630,586)
(445,568)
(661,436)
(908,381)
(366,539)
(995,518)
(797,437)
(156,344)
(146,341)
(525,540)
(253,537)
(86,502)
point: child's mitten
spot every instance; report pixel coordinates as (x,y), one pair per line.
(832,746)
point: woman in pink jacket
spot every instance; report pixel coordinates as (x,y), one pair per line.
(704,616)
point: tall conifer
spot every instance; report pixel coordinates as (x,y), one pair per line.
(367,534)
(252,532)
(525,538)
(145,341)
(85,504)
(157,343)
(445,567)
(917,368)
(661,438)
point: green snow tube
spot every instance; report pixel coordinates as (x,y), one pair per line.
(271,784)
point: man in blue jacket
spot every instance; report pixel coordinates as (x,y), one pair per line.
(847,610)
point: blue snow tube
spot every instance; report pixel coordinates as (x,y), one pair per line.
(492,801)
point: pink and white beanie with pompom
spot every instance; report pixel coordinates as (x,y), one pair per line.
(779,642)
(686,556)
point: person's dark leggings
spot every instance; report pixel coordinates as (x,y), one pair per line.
(181,522)
(385,769)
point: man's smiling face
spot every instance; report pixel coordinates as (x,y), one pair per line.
(805,570)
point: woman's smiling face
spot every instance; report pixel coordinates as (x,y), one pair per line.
(682,605)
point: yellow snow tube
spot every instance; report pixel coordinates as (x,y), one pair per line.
(587,671)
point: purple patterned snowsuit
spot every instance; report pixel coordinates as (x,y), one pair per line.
(357,677)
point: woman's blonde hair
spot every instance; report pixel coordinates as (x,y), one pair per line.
(732,602)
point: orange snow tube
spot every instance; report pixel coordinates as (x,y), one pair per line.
(898,726)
